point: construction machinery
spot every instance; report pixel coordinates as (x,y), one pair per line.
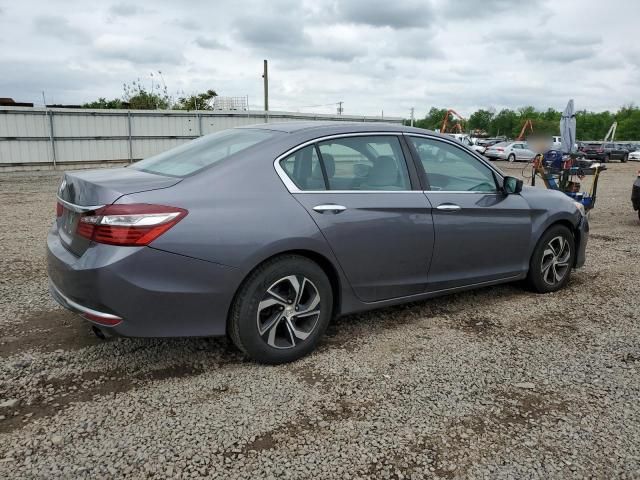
(611,134)
(456,126)
(528,124)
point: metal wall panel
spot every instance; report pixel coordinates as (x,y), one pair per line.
(82,135)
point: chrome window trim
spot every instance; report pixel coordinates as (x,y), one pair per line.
(474,192)
(473,154)
(294,189)
(78,208)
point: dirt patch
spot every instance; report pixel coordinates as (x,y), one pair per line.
(480,326)
(604,238)
(47,331)
(60,393)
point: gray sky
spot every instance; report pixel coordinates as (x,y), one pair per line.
(373,55)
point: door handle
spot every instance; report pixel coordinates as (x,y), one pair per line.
(330,208)
(449,207)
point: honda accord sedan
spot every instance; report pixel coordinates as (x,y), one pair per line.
(266,233)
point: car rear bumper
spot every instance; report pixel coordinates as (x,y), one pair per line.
(583,237)
(154,293)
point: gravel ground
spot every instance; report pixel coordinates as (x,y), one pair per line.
(497,383)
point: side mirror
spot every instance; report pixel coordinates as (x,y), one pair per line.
(511,185)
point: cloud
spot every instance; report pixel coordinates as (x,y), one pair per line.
(476,9)
(185,23)
(136,51)
(371,54)
(59,27)
(545,46)
(383,13)
(209,43)
(125,10)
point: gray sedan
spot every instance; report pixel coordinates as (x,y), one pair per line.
(511,151)
(266,233)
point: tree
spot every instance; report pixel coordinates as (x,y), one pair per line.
(433,119)
(505,123)
(104,103)
(197,101)
(481,120)
(139,98)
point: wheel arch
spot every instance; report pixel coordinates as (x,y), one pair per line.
(321,260)
(560,221)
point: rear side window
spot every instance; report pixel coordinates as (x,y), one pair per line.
(304,169)
(196,155)
(365,163)
(449,168)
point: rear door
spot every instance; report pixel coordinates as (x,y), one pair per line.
(481,234)
(359,191)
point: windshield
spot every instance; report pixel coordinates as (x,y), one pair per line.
(196,155)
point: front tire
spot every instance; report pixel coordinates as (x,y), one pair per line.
(281,310)
(552,260)
(624,159)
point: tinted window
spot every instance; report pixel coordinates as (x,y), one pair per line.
(304,169)
(190,157)
(452,169)
(365,163)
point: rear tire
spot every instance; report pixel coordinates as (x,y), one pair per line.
(281,310)
(511,158)
(552,260)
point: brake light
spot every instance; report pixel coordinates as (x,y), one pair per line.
(129,225)
(500,149)
(59,209)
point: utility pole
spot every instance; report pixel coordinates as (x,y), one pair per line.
(340,108)
(265,75)
(412,109)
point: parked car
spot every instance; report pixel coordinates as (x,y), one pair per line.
(556,142)
(511,151)
(635,195)
(266,233)
(605,152)
(634,155)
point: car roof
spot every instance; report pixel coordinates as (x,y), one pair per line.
(320,128)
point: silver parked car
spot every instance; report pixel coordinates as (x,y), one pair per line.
(265,233)
(511,151)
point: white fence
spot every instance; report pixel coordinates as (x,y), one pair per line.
(52,137)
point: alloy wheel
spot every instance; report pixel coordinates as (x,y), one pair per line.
(555,260)
(288,312)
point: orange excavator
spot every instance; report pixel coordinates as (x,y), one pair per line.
(528,124)
(456,126)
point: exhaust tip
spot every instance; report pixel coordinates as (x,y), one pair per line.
(98,333)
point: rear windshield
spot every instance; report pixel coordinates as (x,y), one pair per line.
(196,155)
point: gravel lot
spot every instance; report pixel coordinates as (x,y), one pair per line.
(498,383)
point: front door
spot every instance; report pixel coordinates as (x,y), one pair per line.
(357,190)
(481,234)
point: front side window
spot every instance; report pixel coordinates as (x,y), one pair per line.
(450,168)
(304,169)
(196,155)
(365,163)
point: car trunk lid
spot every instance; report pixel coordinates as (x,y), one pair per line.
(84,191)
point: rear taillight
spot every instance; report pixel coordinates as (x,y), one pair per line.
(500,149)
(129,225)
(59,209)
